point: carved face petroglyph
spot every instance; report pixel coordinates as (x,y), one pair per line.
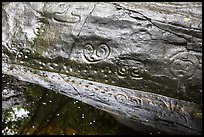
(183,65)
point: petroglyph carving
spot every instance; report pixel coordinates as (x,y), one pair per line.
(123,71)
(23,54)
(136,100)
(62,18)
(128,100)
(130,68)
(121,98)
(183,65)
(95,54)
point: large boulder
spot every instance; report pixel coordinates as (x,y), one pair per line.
(138,60)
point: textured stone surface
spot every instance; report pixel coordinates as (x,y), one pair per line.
(133,49)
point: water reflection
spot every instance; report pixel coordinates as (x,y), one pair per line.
(29,109)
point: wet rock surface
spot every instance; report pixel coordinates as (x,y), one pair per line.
(39,111)
(129,59)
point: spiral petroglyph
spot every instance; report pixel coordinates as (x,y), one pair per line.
(94,55)
(142,61)
(23,54)
(130,68)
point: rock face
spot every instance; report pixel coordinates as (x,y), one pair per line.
(138,60)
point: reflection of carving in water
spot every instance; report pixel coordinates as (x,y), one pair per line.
(94,55)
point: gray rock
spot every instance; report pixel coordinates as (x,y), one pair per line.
(139,60)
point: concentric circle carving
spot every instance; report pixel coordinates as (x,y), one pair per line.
(183,65)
